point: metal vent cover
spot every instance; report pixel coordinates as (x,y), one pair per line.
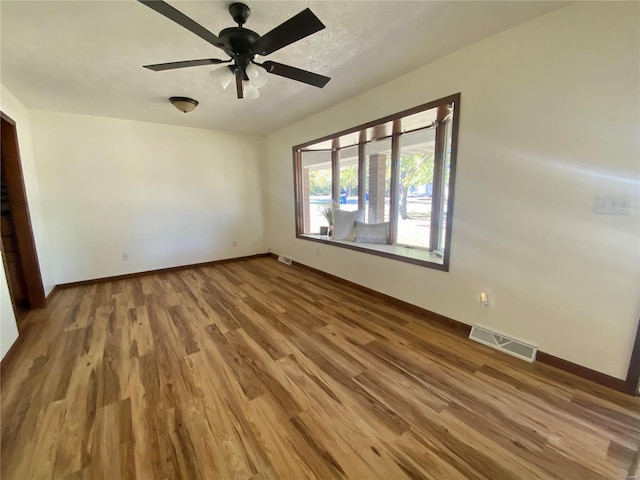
(284,259)
(504,343)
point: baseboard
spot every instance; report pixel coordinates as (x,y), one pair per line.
(460,328)
(583,372)
(155,272)
(463,330)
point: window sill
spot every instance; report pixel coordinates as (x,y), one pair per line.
(403,254)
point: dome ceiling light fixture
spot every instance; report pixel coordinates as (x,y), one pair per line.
(242,45)
(184,104)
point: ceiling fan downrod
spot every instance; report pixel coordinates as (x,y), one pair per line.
(240,13)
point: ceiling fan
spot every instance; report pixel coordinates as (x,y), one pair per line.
(242,45)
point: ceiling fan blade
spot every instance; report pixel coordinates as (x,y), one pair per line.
(296,74)
(158,67)
(181,19)
(239,83)
(296,28)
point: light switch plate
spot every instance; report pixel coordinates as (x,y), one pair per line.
(612,205)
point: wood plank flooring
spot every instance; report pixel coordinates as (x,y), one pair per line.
(257,370)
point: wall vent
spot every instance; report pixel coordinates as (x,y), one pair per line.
(504,343)
(284,259)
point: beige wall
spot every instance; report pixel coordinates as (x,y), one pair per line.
(549,120)
(165,195)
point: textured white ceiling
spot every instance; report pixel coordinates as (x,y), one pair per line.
(86,56)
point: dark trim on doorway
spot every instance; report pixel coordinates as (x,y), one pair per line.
(20,213)
(463,330)
(633,374)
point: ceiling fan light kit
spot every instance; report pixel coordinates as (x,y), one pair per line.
(257,75)
(250,91)
(224,75)
(242,45)
(184,104)
(255,78)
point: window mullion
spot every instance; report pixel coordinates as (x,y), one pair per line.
(362,172)
(438,177)
(335,171)
(301,215)
(395,179)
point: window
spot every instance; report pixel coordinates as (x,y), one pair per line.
(394,175)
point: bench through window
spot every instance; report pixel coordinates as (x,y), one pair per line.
(384,188)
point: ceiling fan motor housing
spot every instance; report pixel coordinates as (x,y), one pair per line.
(237,42)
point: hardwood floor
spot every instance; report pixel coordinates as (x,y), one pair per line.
(257,370)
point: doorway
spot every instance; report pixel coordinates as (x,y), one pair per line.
(18,246)
(633,375)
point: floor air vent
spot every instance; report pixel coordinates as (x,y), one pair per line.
(506,344)
(284,259)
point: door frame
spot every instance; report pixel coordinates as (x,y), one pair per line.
(20,213)
(633,374)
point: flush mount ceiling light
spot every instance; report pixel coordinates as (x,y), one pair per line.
(242,45)
(184,104)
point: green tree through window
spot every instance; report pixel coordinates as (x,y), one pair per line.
(415,170)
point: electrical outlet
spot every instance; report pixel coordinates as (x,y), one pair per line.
(125,257)
(235,243)
(317,252)
(484,299)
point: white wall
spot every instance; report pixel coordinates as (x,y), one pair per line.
(165,195)
(549,120)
